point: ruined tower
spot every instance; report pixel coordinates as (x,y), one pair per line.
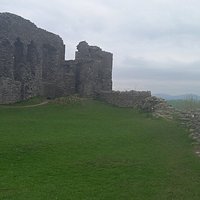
(94,70)
(32,63)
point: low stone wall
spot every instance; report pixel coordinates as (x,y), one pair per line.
(158,107)
(189,119)
(134,99)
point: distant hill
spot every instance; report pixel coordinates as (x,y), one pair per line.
(177,97)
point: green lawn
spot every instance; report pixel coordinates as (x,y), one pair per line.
(91,151)
(187,104)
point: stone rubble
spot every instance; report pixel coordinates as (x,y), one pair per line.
(189,119)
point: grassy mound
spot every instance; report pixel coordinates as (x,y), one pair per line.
(94,151)
(73,99)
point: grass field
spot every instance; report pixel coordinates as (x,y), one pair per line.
(93,151)
(187,104)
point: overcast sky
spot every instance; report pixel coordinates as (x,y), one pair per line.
(156,43)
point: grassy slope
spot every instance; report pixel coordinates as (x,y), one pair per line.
(94,151)
(185,104)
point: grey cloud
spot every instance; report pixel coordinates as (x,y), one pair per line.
(170,87)
(139,68)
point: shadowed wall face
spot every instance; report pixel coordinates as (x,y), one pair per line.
(94,70)
(31,60)
(32,63)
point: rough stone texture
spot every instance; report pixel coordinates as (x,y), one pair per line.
(70,68)
(10,90)
(133,99)
(94,70)
(189,119)
(32,63)
(30,57)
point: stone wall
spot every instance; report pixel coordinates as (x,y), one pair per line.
(10,90)
(94,70)
(32,62)
(69,72)
(31,57)
(133,99)
(189,119)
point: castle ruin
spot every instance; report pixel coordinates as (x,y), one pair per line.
(32,63)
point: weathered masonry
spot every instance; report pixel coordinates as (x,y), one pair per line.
(32,62)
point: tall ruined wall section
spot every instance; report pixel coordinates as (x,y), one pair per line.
(32,63)
(93,70)
(31,60)
(90,73)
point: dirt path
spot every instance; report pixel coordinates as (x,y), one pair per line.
(27,106)
(35,105)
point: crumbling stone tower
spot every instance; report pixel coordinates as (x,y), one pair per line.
(32,63)
(93,70)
